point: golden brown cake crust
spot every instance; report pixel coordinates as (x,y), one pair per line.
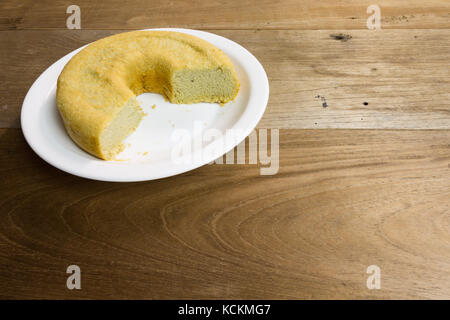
(102,78)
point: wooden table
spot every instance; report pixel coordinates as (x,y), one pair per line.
(364,181)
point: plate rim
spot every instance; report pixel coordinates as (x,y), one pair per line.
(246,127)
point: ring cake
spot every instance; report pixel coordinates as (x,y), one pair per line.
(96,91)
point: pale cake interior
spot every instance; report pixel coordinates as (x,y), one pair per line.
(126,121)
(192,86)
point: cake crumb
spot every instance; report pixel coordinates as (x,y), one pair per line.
(154,106)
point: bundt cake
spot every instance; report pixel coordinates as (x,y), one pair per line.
(97,89)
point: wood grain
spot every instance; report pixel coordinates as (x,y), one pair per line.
(402,75)
(235,14)
(342,200)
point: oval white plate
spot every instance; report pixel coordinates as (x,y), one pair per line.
(170,140)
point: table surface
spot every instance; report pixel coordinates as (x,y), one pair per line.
(364,181)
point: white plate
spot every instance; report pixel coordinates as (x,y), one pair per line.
(152,150)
